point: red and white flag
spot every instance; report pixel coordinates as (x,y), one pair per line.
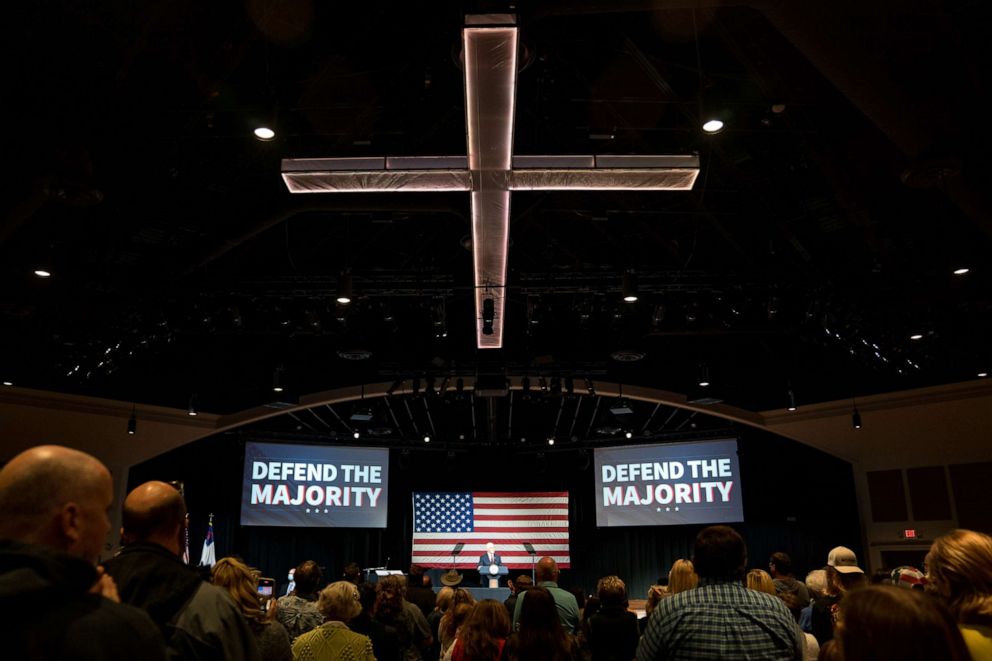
(507,519)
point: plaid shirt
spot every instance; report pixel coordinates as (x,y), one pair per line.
(721,620)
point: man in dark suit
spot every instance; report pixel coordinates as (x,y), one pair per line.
(490,557)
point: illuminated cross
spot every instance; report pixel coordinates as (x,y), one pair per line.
(492,172)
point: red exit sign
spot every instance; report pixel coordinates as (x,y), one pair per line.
(909,533)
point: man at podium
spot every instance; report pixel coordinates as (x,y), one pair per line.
(491,566)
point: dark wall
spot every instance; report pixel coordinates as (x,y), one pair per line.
(796,499)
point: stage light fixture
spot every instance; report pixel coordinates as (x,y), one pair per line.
(590,388)
(980,375)
(488,315)
(356,434)
(629,434)
(792,400)
(277,380)
(551,441)
(916,336)
(191,411)
(344,288)
(264,133)
(713,126)
(630,287)
(621,407)
(856,418)
(43,273)
(704,376)
(427,438)
(961,271)
(132,423)
(8,383)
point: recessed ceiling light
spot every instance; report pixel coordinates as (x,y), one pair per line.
(264,133)
(713,126)
(42,273)
(981,375)
(961,271)
(916,336)
(10,383)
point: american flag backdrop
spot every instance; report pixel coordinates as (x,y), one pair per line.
(443,519)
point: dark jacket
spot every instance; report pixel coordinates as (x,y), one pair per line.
(197,620)
(385,639)
(422,597)
(613,634)
(48,612)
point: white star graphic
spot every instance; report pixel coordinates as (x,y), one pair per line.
(668,509)
(676,509)
(308,510)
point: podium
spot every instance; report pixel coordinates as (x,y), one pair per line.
(494,572)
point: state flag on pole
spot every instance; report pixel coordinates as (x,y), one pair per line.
(506,519)
(208,558)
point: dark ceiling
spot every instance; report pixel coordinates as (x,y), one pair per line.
(850,182)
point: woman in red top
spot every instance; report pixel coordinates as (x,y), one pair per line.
(484,633)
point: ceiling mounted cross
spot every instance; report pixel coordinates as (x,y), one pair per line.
(490,61)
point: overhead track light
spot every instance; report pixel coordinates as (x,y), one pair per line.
(132,423)
(264,133)
(191,411)
(856,418)
(713,126)
(792,400)
(704,376)
(277,380)
(630,287)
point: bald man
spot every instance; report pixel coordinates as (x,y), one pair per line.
(546,574)
(198,620)
(55,601)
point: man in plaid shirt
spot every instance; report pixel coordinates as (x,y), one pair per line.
(721,619)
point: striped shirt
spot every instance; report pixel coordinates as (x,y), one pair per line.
(721,620)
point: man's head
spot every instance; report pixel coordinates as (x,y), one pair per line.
(307,577)
(719,553)
(57,497)
(490,548)
(352,573)
(546,570)
(155,513)
(416,574)
(780,565)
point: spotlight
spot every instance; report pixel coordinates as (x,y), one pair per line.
(856,418)
(792,400)
(427,438)
(191,411)
(621,407)
(277,385)
(43,273)
(916,336)
(629,434)
(8,383)
(344,288)
(264,133)
(356,434)
(980,375)
(488,315)
(704,376)
(712,126)
(961,271)
(132,423)
(551,441)
(630,287)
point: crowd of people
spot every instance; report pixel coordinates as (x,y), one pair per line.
(147,603)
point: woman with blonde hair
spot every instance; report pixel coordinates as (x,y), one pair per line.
(682,577)
(760,580)
(241,584)
(333,640)
(959,571)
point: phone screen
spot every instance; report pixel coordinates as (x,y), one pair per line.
(266,586)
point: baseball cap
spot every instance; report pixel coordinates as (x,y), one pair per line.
(908,577)
(844,560)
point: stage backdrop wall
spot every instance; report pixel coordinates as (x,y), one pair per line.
(796,499)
